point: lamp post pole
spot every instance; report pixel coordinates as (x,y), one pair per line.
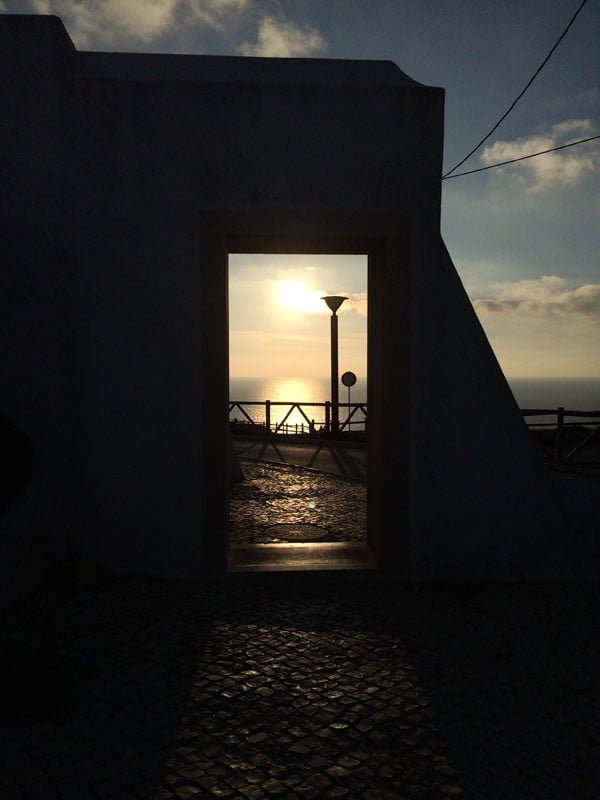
(333,303)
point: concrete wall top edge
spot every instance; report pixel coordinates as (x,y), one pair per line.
(242,69)
(210,68)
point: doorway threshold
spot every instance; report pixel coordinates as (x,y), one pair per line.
(301,557)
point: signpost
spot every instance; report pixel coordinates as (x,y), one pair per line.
(348,379)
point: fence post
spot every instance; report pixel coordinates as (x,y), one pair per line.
(328,415)
(268,415)
(558,442)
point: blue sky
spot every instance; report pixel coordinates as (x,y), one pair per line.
(525,239)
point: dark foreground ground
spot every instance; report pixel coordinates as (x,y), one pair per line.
(303,686)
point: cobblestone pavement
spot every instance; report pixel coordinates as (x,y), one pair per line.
(303,686)
(277,495)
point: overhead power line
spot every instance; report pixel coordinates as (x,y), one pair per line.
(448,177)
(520,95)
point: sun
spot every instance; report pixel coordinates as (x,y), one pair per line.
(297,297)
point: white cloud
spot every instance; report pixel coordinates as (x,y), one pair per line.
(215,13)
(92,24)
(548,296)
(562,168)
(356,301)
(283,39)
(117,24)
(543,327)
(97,23)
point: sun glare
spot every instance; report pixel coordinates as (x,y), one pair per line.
(295,296)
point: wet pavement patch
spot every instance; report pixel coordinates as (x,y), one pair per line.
(277,504)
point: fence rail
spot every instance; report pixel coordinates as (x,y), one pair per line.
(568,431)
(585,423)
(296,418)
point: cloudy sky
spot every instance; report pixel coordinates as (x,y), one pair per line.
(285,330)
(526,238)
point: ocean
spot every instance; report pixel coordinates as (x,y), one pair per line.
(575,394)
(298,390)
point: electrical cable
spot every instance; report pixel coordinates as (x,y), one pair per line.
(448,177)
(514,103)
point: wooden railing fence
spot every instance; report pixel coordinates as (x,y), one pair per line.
(355,416)
(565,420)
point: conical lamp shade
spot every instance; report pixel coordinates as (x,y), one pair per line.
(334,301)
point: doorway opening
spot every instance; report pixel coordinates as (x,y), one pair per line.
(297,325)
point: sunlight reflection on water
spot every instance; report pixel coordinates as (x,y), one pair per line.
(297,390)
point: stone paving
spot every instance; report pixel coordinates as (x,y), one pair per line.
(303,686)
(281,495)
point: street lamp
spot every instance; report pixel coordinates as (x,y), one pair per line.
(333,303)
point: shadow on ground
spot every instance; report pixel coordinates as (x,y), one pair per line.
(309,686)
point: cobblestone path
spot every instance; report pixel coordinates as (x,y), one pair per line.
(296,686)
(275,495)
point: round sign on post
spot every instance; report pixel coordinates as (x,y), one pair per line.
(348,379)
